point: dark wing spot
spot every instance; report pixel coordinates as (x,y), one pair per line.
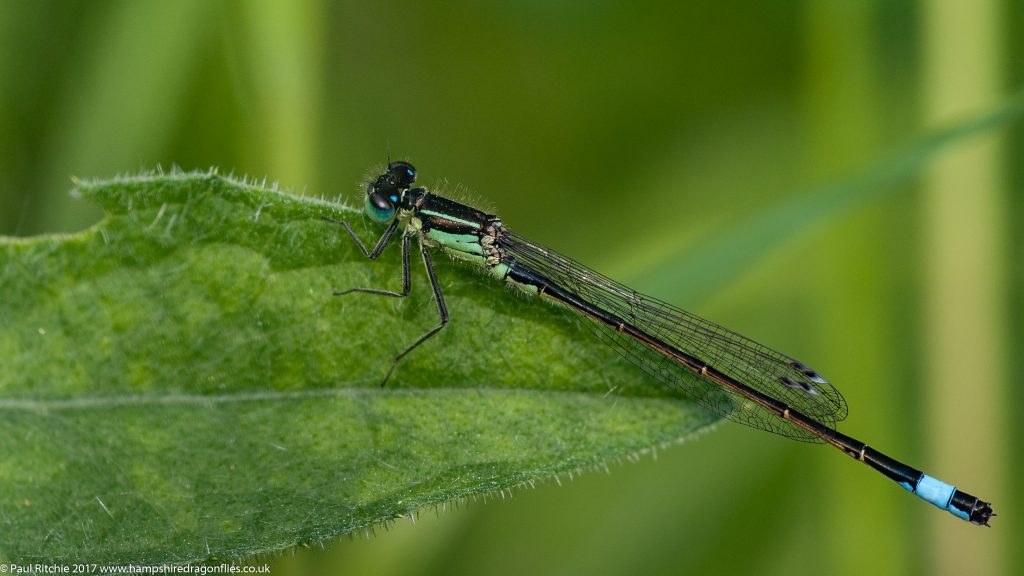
(806,371)
(802,386)
(789,382)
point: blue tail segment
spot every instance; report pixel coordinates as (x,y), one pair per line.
(947,497)
(938,493)
(935,491)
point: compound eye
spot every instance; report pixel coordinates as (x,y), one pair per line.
(379,207)
(403,173)
(380,202)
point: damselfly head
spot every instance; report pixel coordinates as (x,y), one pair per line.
(403,172)
(385,193)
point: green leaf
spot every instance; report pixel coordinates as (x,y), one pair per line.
(180,385)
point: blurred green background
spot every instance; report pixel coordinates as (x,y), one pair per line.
(657,142)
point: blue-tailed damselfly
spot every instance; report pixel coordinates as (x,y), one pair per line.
(715,367)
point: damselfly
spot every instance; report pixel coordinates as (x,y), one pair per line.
(717,368)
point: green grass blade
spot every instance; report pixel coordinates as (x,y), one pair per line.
(179,384)
(726,254)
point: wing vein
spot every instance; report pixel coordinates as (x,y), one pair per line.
(770,372)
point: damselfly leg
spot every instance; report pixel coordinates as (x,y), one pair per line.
(428,263)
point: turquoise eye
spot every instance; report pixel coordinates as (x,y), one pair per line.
(379,208)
